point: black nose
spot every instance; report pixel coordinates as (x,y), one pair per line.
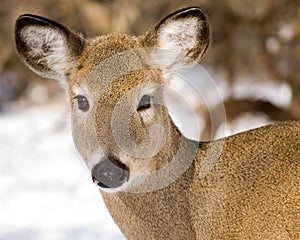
(110,173)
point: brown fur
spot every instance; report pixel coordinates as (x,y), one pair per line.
(250,191)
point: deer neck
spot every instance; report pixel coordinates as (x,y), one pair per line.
(165,201)
(153,211)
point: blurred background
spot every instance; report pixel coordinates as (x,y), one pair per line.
(45,191)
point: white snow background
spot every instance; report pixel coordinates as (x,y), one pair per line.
(46,193)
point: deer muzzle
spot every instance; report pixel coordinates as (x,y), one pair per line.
(110,173)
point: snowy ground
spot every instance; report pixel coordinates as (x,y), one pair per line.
(45,191)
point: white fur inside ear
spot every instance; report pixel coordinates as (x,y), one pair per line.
(48,46)
(176,40)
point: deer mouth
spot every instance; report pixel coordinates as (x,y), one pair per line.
(110,173)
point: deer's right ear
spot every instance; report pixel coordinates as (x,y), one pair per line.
(45,46)
(179,40)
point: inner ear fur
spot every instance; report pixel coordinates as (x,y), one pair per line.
(179,40)
(47,47)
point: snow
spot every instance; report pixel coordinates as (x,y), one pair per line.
(45,191)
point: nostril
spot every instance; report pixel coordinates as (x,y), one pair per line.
(110,173)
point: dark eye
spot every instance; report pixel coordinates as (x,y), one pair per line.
(82,102)
(144,103)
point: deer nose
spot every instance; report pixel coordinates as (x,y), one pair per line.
(110,173)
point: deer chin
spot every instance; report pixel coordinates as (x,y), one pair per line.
(135,181)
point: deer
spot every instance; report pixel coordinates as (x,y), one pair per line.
(155,182)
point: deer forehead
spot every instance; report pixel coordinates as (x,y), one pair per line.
(110,67)
(106,56)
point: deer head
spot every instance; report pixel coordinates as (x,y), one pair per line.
(116,83)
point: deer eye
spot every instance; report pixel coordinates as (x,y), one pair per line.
(82,103)
(144,103)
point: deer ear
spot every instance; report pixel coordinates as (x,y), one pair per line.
(179,40)
(47,47)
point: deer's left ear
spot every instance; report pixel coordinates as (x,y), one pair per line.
(178,41)
(45,46)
